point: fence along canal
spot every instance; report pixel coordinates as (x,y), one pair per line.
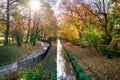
(65,70)
(31,60)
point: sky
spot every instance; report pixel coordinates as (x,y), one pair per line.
(56,7)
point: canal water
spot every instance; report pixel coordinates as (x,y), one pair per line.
(65,70)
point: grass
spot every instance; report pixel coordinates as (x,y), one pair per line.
(32,73)
(44,70)
(1,44)
(12,53)
(2,38)
(37,72)
(8,54)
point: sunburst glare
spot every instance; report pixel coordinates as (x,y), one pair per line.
(35,5)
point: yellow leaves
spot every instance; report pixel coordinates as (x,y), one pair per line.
(69,32)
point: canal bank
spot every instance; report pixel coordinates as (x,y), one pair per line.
(65,70)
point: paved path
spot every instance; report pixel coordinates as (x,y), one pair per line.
(14,66)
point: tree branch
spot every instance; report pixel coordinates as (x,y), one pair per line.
(12,2)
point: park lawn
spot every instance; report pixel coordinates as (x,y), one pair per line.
(44,70)
(2,38)
(94,63)
(12,53)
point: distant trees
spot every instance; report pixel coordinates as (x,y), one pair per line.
(43,23)
(9,4)
(48,24)
(98,19)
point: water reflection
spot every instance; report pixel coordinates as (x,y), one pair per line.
(64,68)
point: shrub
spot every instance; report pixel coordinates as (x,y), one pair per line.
(19,35)
(115,44)
(34,35)
(52,38)
(81,75)
(76,42)
(109,53)
(92,36)
(32,73)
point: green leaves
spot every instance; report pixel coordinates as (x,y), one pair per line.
(92,36)
(19,35)
(33,36)
(109,53)
(32,73)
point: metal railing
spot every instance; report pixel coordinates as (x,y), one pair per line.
(27,62)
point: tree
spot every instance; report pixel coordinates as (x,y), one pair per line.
(101,10)
(19,34)
(79,13)
(69,32)
(48,24)
(9,3)
(8,25)
(29,24)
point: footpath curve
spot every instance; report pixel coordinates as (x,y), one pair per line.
(31,60)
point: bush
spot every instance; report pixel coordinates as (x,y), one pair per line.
(34,35)
(32,73)
(109,53)
(92,36)
(115,44)
(52,38)
(76,42)
(81,75)
(19,35)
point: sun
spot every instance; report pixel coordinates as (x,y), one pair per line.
(35,5)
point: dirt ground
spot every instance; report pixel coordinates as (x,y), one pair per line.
(96,64)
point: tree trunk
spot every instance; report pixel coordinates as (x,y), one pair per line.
(106,31)
(7,26)
(29,21)
(106,23)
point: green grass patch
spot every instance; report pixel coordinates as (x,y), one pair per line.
(36,72)
(32,73)
(2,38)
(53,74)
(1,44)
(9,54)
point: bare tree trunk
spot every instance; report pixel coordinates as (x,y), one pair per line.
(29,21)
(106,23)
(7,26)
